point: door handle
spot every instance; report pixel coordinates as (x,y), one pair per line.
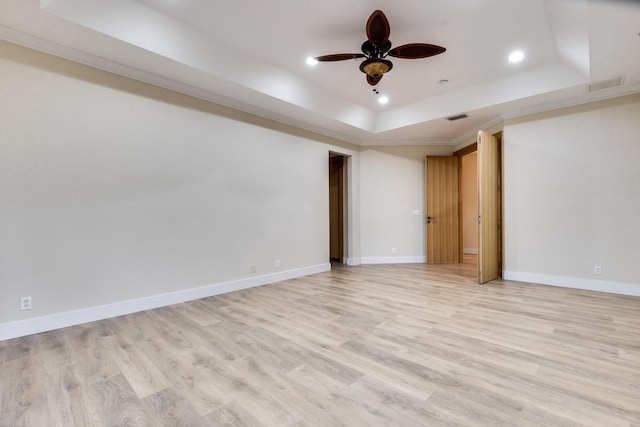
(429,218)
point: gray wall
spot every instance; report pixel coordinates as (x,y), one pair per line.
(572,195)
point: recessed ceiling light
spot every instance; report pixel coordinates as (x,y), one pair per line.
(516,56)
(444,81)
(311,61)
(383,99)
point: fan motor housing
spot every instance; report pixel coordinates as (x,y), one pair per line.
(375,67)
(372,50)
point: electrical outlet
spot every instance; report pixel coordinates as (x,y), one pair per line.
(277,263)
(253,268)
(25,303)
(597,270)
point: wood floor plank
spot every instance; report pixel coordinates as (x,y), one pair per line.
(136,366)
(3,352)
(462,411)
(24,401)
(377,345)
(348,407)
(245,341)
(309,408)
(93,361)
(283,325)
(405,408)
(551,396)
(182,332)
(301,354)
(116,404)
(231,415)
(198,312)
(535,416)
(240,388)
(174,363)
(169,408)
(20,347)
(60,379)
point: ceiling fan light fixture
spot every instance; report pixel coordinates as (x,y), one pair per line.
(312,61)
(375,67)
(378,46)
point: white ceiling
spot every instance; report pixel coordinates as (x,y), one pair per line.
(250,55)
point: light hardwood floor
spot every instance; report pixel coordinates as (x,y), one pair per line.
(382,345)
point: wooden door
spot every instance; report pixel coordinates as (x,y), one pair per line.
(488,207)
(441,195)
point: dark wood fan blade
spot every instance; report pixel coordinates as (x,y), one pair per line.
(339,57)
(378,28)
(374,80)
(416,50)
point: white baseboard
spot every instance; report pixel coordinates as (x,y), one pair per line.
(573,282)
(394,260)
(61,320)
(470,251)
(354,261)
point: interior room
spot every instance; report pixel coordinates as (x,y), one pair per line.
(220,213)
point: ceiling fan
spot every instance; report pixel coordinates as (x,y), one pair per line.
(378,46)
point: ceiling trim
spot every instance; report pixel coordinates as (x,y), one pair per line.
(405,142)
(586,98)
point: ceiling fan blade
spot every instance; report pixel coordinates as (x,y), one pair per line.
(378,28)
(339,57)
(416,50)
(374,80)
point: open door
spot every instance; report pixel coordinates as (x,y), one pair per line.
(441,195)
(488,207)
(336,207)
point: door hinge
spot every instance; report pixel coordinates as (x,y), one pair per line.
(479,219)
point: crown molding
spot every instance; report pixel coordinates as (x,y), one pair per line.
(405,142)
(586,98)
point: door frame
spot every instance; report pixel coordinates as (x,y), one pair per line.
(340,223)
(460,154)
